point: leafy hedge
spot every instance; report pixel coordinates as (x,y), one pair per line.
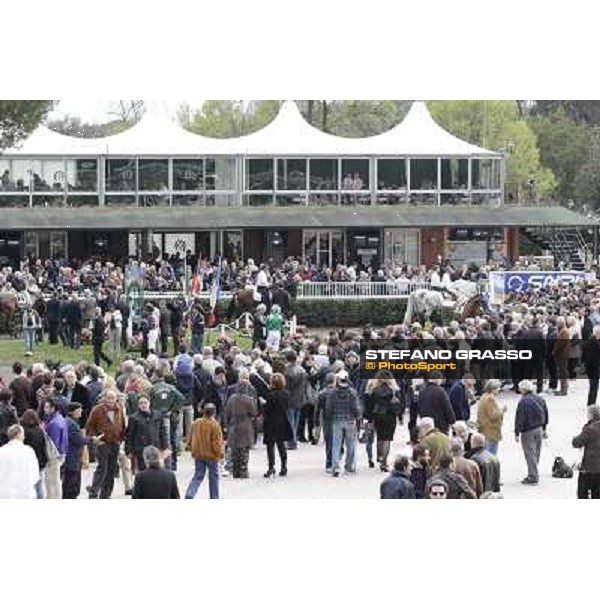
(349,313)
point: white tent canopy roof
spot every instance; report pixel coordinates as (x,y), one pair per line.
(420,135)
(289,134)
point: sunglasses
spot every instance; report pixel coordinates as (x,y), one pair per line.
(437,493)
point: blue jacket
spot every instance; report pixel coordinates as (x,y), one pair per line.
(460,401)
(531,413)
(76,443)
(56,428)
(397,486)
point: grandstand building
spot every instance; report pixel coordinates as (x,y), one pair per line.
(414,194)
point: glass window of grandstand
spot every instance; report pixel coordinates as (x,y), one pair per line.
(153,175)
(120,175)
(82,175)
(291,174)
(22,175)
(323,182)
(423,176)
(455,182)
(260,174)
(188,175)
(356,181)
(391,181)
(6,182)
(221,174)
(485,174)
(323,248)
(232,245)
(51,177)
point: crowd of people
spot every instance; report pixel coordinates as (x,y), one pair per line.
(221,402)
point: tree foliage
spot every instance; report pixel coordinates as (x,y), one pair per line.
(232,118)
(498,125)
(564,147)
(18,118)
(354,118)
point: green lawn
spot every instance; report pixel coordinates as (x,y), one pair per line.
(13,350)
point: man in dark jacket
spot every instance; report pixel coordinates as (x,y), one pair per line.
(489,465)
(8,415)
(531,421)
(458,488)
(155,483)
(532,339)
(145,428)
(591,361)
(588,484)
(343,410)
(53,318)
(296,379)
(71,476)
(74,321)
(460,395)
(397,485)
(434,403)
(98,339)
(282,298)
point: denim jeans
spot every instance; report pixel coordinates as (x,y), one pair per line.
(186,418)
(491,447)
(327,436)
(213,479)
(293,415)
(197,339)
(29,339)
(343,430)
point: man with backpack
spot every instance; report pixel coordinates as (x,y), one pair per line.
(167,400)
(183,367)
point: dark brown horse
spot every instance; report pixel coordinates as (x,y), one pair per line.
(241,302)
(9,313)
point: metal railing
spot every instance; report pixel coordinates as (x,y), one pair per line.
(357,289)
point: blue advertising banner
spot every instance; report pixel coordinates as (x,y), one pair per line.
(504,282)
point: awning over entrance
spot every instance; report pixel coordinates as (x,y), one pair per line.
(184,218)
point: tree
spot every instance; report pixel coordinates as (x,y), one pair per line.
(232,118)
(127,111)
(564,147)
(18,118)
(497,125)
(582,111)
(354,118)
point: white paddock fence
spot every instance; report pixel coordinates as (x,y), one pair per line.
(325,290)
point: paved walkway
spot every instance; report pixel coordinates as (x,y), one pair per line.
(307,477)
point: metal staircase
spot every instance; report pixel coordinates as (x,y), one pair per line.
(569,246)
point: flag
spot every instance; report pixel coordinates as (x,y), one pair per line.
(215,292)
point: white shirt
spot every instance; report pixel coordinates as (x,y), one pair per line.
(19,471)
(435,279)
(261,279)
